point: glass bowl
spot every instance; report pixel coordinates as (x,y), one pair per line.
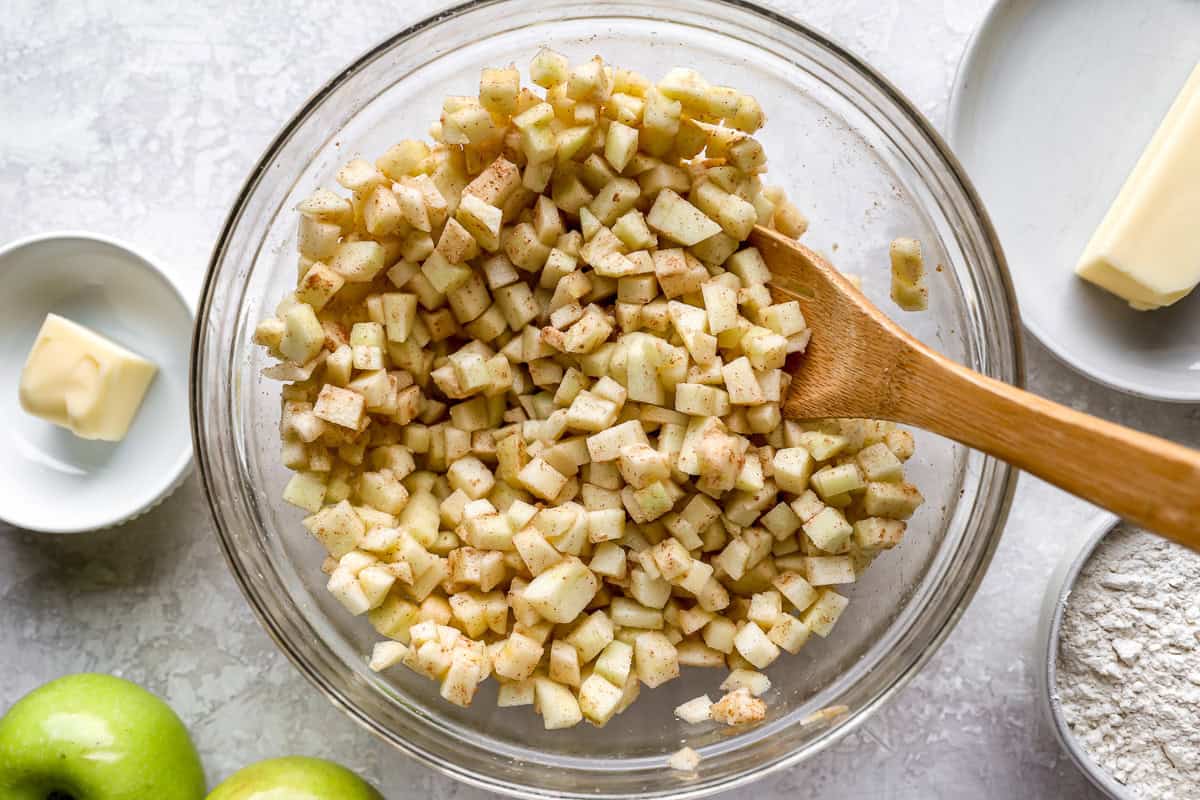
(856,157)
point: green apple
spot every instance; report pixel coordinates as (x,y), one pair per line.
(295,778)
(96,737)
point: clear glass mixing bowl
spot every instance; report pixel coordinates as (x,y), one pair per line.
(857,158)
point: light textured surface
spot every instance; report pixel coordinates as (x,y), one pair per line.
(140,119)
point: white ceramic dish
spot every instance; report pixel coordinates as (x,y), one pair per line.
(1052,105)
(51,480)
(1058,591)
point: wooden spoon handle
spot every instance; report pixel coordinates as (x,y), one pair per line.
(1147,480)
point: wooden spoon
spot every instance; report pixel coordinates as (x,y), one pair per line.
(860,364)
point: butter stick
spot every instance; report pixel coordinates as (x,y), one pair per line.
(82,381)
(1147,248)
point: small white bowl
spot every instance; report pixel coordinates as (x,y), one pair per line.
(51,480)
(1058,592)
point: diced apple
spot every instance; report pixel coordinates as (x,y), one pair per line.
(695,711)
(754,645)
(832,480)
(822,615)
(599,699)
(592,636)
(679,220)
(564,663)
(518,657)
(655,659)
(891,500)
(542,479)
(828,570)
(877,533)
(561,592)
(829,530)
(556,704)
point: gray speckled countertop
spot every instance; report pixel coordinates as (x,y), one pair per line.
(140,119)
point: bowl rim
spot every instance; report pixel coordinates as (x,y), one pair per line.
(1006,475)
(128,506)
(1058,595)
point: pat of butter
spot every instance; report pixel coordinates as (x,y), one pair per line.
(1147,249)
(80,380)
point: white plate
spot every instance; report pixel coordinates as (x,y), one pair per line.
(51,480)
(1053,104)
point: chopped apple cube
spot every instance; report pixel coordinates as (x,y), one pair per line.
(564,663)
(679,220)
(695,711)
(599,699)
(822,615)
(340,407)
(629,613)
(561,592)
(478,219)
(591,636)
(306,490)
(606,525)
(877,533)
(822,446)
(387,654)
(789,633)
(829,530)
(901,443)
(642,465)
(655,658)
(344,586)
(741,382)
(909,290)
(549,69)
(719,634)
(607,444)
(542,479)
(556,704)
(831,481)
(828,570)
(765,609)
(702,401)
(515,693)
(754,645)
(798,591)
(755,683)
(892,500)
(518,657)
(471,476)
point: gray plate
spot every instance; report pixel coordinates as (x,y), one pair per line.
(1053,104)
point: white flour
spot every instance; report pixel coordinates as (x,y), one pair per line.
(1129,663)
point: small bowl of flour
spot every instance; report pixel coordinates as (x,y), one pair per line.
(1122,675)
